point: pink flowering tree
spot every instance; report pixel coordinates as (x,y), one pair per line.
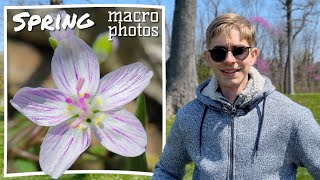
(262,66)
(313,72)
(312,76)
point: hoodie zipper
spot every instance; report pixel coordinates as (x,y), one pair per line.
(233,112)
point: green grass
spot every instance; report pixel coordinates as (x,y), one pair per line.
(311,101)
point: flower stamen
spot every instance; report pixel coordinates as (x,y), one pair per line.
(80,103)
(79,86)
(79,120)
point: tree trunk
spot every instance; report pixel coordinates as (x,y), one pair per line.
(290,74)
(55,2)
(181,66)
(281,66)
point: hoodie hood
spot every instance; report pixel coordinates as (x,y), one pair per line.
(257,89)
(258,86)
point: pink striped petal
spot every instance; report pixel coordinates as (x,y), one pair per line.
(45,107)
(120,132)
(73,59)
(61,147)
(122,86)
(61,34)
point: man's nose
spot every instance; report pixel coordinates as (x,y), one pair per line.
(230,58)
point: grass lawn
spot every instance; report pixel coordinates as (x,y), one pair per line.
(311,101)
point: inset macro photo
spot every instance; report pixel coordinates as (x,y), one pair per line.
(83,89)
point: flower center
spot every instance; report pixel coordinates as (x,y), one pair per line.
(80,102)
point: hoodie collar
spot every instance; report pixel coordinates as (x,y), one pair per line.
(256,86)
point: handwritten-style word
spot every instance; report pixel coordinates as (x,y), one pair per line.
(48,22)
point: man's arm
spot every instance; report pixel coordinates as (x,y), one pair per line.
(174,157)
(308,144)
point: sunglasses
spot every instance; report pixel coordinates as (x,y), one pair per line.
(219,54)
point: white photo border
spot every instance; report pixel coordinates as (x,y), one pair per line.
(120,172)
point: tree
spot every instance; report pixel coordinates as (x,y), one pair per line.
(290,84)
(298,24)
(55,2)
(181,66)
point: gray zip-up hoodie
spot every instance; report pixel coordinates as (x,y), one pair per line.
(262,135)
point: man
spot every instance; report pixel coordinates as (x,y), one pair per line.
(239,127)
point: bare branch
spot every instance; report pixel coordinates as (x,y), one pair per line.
(90,1)
(303,21)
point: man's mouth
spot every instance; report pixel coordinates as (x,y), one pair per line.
(230,71)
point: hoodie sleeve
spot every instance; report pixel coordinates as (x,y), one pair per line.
(308,144)
(174,156)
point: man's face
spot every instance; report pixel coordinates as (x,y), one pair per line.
(231,73)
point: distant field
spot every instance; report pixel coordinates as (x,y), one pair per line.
(311,101)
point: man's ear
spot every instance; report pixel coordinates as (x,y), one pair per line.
(254,55)
(206,57)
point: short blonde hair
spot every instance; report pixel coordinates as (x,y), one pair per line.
(225,23)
